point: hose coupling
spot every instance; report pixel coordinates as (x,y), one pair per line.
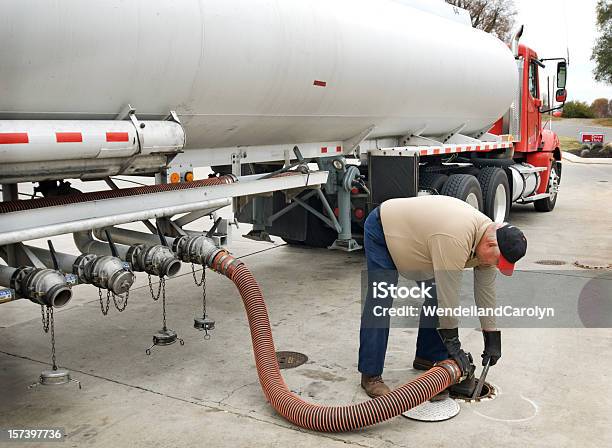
(159,261)
(104,272)
(43,286)
(196,249)
(452,368)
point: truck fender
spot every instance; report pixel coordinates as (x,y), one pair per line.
(542,159)
(548,154)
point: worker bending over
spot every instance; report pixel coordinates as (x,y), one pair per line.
(433,238)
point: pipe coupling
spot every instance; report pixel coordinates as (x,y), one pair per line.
(158,260)
(105,272)
(196,249)
(452,368)
(43,286)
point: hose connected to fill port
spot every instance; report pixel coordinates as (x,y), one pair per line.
(289,405)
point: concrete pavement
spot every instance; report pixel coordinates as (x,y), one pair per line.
(572,127)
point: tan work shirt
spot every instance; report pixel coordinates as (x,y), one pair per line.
(436,236)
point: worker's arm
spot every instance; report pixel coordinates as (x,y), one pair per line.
(484,293)
(484,296)
(448,256)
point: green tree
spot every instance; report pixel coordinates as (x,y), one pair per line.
(602,52)
(577,109)
(493,16)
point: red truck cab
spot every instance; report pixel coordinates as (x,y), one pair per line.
(537,146)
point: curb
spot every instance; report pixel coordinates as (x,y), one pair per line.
(575,159)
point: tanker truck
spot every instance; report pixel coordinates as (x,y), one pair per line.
(309,114)
(304,117)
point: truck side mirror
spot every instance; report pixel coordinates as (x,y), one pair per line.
(561,75)
(561,96)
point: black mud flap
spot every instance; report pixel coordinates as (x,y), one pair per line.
(392,176)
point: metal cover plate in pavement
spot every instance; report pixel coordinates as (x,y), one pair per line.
(434,411)
(290,360)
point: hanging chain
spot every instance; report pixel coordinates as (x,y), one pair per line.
(48,324)
(120,302)
(162,283)
(202,283)
(45,319)
(103,308)
(121,306)
(204,324)
(161,292)
(162,286)
(52,325)
(195,279)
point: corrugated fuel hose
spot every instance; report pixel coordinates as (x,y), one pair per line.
(292,407)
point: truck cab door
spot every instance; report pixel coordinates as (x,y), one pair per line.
(533,107)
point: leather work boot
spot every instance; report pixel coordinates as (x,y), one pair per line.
(422,364)
(374,386)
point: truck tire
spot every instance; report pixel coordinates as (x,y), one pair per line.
(464,187)
(548,204)
(432,181)
(496,193)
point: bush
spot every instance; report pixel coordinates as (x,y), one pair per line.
(577,109)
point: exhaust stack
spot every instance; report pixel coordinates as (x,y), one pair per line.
(516,39)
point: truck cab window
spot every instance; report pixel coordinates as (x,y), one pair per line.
(533,79)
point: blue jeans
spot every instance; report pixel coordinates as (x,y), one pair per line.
(373,339)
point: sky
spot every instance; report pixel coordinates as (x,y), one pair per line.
(553,25)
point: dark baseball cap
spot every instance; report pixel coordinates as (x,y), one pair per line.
(512,247)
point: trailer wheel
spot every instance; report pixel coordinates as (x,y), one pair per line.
(464,187)
(496,193)
(548,204)
(432,181)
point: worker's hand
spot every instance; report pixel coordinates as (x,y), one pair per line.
(450,337)
(492,347)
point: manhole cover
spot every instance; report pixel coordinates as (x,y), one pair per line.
(434,411)
(589,264)
(551,262)
(290,360)
(488,392)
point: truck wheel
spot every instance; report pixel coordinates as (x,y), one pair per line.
(548,204)
(464,187)
(432,181)
(496,193)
